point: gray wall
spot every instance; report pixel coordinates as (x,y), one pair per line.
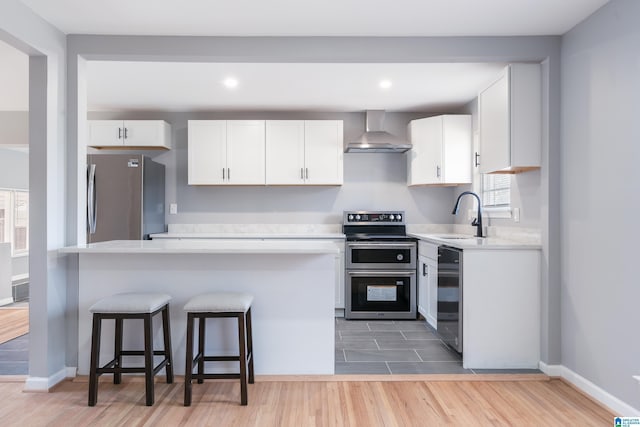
(371,181)
(339,50)
(600,205)
(14,169)
(14,127)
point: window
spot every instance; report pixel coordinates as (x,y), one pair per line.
(496,191)
(14,220)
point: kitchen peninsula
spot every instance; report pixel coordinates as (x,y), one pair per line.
(292,282)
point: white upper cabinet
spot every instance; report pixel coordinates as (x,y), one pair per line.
(207,151)
(510,121)
(226,152)
(285,152)
(128,134)
(304,152)
(441,151)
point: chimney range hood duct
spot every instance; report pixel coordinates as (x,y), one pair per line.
(375,140)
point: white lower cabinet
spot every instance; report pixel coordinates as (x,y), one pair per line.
(428,282)
(501,309)
(340,296)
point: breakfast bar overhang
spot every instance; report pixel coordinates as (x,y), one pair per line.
(292,281)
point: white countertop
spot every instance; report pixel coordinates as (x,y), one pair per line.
(471,242)
(203,246)
(196,235)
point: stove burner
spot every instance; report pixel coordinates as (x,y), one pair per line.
(387,226)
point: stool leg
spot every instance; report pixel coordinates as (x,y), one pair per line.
(148,358)
(117,352)
(250,346)
(188,370)
(95,359)
(167,344)
(201,336)
(243,360)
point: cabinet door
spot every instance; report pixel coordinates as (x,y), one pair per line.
(426,154)
(245,152)
(432,293)
(456,157)
(284,152)
(105,133)
(493,123)
(207,153)
(423,290)
(144,133)
(323,149)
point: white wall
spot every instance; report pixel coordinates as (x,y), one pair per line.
(600,186)
(14,169)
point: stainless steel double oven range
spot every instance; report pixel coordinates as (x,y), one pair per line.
(380,277)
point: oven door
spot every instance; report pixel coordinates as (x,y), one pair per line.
(379,255)
(380,294)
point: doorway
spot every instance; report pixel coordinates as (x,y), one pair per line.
(14,211)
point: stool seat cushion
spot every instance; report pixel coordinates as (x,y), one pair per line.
(219,302)
(131,302)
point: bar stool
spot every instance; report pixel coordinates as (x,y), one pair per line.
(130,306)
(216,305)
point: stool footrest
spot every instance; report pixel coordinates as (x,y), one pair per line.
(215,376)
(141,353)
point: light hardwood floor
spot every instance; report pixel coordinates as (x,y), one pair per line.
(308,403)
(13,323)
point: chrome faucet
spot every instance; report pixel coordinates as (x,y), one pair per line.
(477,222)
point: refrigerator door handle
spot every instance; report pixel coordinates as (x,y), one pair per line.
(91,199)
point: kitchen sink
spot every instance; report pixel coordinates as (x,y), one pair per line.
(454,236)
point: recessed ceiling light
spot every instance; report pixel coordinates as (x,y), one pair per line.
(385,84)
(230,82)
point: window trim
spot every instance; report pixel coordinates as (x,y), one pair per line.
(10,219)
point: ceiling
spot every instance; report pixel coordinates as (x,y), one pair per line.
(175,86)
(310,87)
(316,17)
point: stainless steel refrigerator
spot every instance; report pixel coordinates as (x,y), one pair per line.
(125,197)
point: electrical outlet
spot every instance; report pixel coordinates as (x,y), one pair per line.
(173,208)
(516,214)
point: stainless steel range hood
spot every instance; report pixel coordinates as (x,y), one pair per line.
(375,140)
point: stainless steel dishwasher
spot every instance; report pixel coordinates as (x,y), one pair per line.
(450,296)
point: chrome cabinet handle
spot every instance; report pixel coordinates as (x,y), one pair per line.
(301,173)
(438,171)
(125,133)
(91,199)
(119,133)
(306,173)
(424,269)
(477,159)
(223,175)
(228,174)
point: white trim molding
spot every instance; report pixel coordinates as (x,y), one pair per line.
(616,405)
(45,383)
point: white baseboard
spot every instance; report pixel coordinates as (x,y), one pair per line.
(45,383)
(616,405)
(6,301)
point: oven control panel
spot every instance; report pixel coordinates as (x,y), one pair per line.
(366,217)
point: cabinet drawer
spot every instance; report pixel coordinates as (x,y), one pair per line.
(428,250)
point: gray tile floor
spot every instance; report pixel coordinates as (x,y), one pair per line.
(396,347)
(14,356)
